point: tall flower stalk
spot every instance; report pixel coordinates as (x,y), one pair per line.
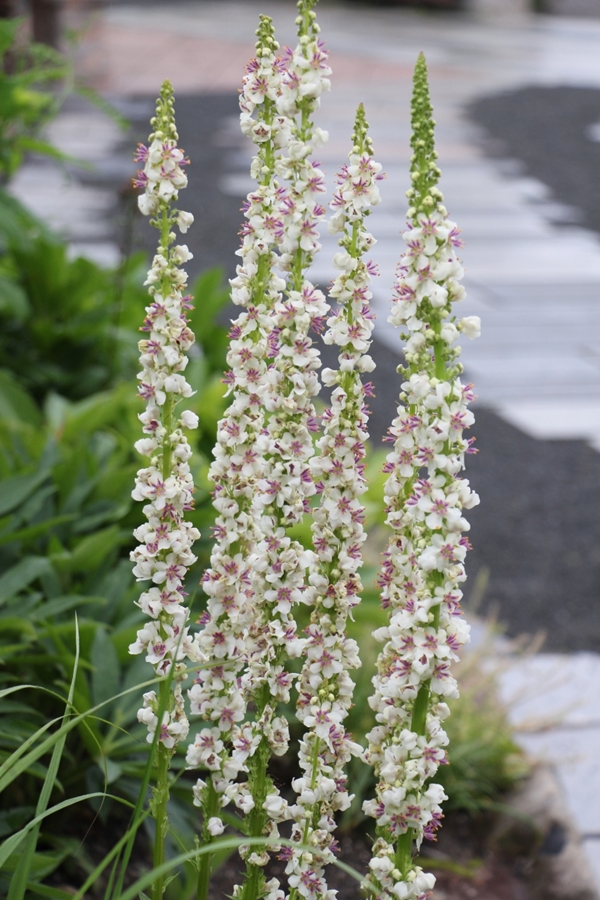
(283,495)
(325,687)
(220,694)
(424,563)
(165,549)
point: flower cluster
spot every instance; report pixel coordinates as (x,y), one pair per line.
(267,477)
(282,497)
(325,687)
(220,694)
(165,484)
(423,565)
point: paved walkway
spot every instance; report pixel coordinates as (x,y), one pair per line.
(554,706)
(534,281)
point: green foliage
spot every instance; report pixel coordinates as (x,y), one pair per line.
(26,105)
(70,327)
(35,80)
(61,323)
(67,469)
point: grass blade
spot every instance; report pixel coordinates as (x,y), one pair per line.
(12,843)
(18,883)
(133,892)
(12,771)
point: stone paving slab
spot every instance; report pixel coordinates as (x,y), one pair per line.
(554,706)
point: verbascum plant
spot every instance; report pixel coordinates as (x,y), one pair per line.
(269,471)
(325,686)
(280,564)
(424,563)
(165,552)
(244,731)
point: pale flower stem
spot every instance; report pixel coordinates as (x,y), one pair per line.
(280,562)
(160,802)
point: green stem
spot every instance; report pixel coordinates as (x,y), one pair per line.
(421,705)
(258,817)
(439,351)
(168,425)
(259,784)
(313,782)
(161,799)
(404,852)
(205,867)
(418,725)
(353,249)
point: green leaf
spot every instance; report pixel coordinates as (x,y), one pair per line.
(16,222)
(11,819)
(13,299)
(15,491)
(17,625)
(34,531)
(93,550)
(18,884)
(95,412)
(12,843)
(41,865)
(22,575)
(210,296)
(56,409)
(44,890)
(106,672)
(15,403)
(211,405)
(60,605)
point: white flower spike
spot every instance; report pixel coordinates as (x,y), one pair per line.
(424,563)
(165,552)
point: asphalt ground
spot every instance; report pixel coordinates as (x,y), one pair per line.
(554,133)
(535,563)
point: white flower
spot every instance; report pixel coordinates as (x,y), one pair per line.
(424,561)
(148,204)
(470,326)
(184,220)
(215,826)
(189,419)
(181,254)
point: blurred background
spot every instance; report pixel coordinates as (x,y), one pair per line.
(516,90)
(515,87)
